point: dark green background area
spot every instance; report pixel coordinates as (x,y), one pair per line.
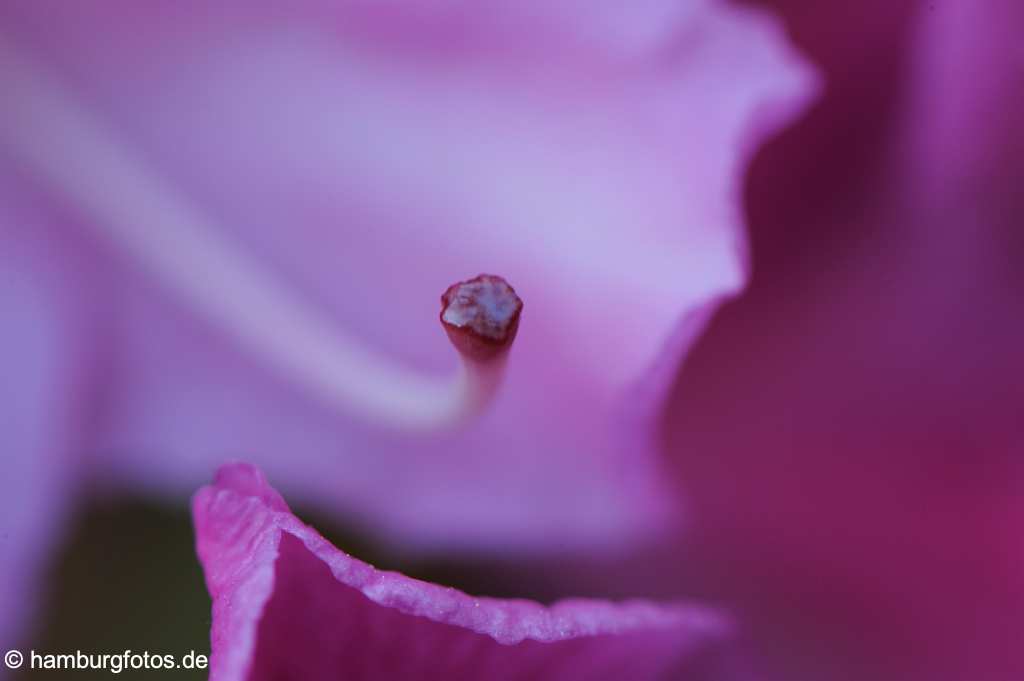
(127,578)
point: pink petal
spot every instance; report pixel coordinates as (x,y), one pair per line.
(963,120)
(861,463)
(287,604)
(368,155)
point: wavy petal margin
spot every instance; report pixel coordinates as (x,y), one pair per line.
(288,604)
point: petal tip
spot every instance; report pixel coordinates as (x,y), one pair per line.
(247,480)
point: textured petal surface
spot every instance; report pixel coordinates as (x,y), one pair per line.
(287,604)
(368,155)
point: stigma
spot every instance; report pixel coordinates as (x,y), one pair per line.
(481,316)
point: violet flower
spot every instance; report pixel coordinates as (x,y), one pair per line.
(220,222)
(848,433)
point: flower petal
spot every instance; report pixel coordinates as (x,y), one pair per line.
(868,447)
(40,411)
(368,155)
(287,604)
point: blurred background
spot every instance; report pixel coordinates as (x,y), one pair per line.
(848,431)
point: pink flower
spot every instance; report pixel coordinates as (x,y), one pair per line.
(288,604)
(847,434)
(219,214)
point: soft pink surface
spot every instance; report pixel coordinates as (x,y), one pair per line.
(850,432)
(370,154)
(288,604)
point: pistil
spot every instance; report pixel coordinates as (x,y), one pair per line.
(159,229)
